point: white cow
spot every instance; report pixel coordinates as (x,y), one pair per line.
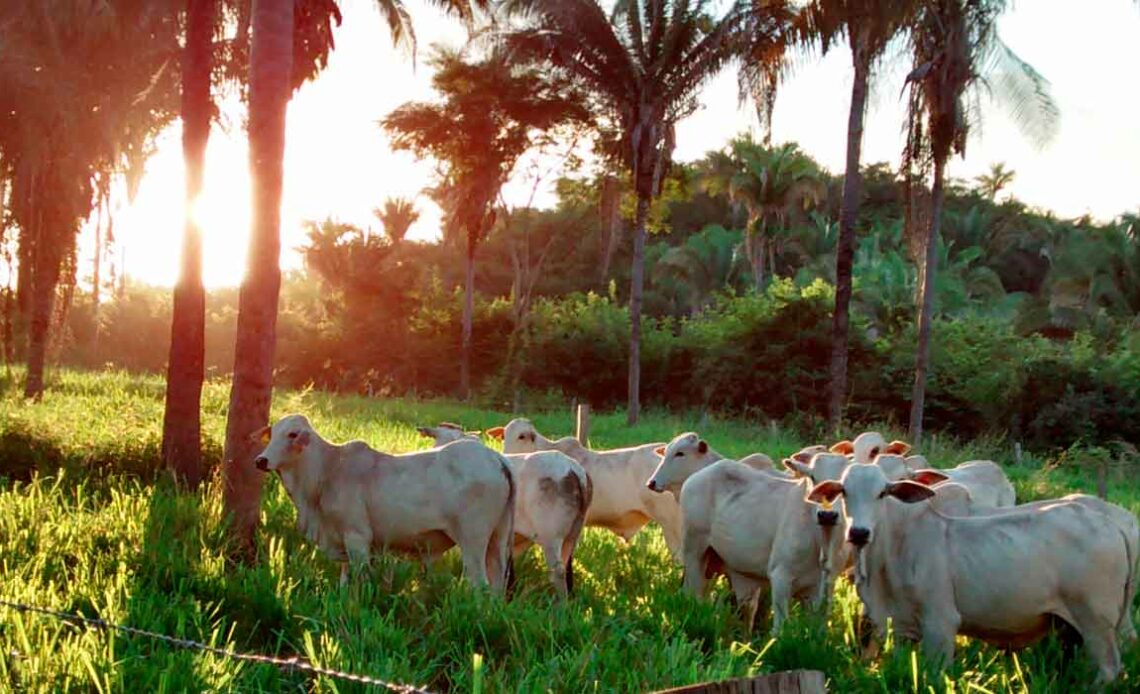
(554,493)
(999,577)
(621,503)
(759,529)
(352,500)
(989,487)
(686,454)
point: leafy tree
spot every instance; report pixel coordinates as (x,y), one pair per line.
(992,183)
(492,112)
(397,216)
(703,265)
(643,66)
(956,49)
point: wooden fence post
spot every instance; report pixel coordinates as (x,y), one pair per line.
(790,682)
(582,424)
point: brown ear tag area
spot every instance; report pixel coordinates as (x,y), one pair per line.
(266,435)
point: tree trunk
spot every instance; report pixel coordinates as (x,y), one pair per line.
(182,423)
(269,90)
(636,286)
(926,315)
(845,244)
(610,211)
(44,278)
(468,317)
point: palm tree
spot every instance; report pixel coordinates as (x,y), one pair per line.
(992,183)
(397,216)
(76,103)
(772,185)
(182,420)
(643,66)
(703,265)
(869,26)
(956,49)
(493,112)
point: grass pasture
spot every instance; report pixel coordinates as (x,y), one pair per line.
(87,526)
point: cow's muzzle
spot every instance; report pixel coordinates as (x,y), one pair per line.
(262,463)
(652,486)
(858,536)
(827,519)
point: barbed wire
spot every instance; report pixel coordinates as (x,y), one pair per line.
(292,664)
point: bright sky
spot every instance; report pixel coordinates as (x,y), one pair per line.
(338,163)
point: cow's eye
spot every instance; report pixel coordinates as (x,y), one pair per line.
(522,437)
(292,434)
(680,454)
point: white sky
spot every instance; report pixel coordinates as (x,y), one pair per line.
(338,163)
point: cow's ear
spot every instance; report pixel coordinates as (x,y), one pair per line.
(702,446)
(261,436)
(426,431)
(826,491)
(897,448)
(797,468)
(929,476)
(802,457)
(909,492)
(660,451)
(843,448)
(496,433)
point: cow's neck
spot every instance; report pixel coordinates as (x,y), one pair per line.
(305,480)
(879,569)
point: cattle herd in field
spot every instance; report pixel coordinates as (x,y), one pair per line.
(937,552)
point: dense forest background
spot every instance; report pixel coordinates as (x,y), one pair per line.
(1038,331)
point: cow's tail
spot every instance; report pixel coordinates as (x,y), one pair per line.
(503,539)
(1124,626)
(584,490)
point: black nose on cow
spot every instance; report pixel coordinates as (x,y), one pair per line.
(652,486)
(858,536)
(827,518)
(262,463)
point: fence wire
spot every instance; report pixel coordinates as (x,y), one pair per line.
(293,664)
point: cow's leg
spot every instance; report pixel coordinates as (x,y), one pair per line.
(1098,631)
(747,590)
(696,561)
(781,582)
(938,628)
(552,552)
(357,545)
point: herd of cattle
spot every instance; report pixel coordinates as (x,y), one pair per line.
(937,552)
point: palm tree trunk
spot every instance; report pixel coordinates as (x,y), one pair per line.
(468,317)
(182,422)
(926,315)
(845,244)
(636,287)
(44,278)
(269,90)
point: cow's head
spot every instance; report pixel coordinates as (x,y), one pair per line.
(871,444)
(447,432)
(819,467)
(518,436)
(683,456)
(864,489)
(285,442)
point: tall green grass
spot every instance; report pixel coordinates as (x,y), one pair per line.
(89,525)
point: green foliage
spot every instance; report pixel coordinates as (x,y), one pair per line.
(85,533)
